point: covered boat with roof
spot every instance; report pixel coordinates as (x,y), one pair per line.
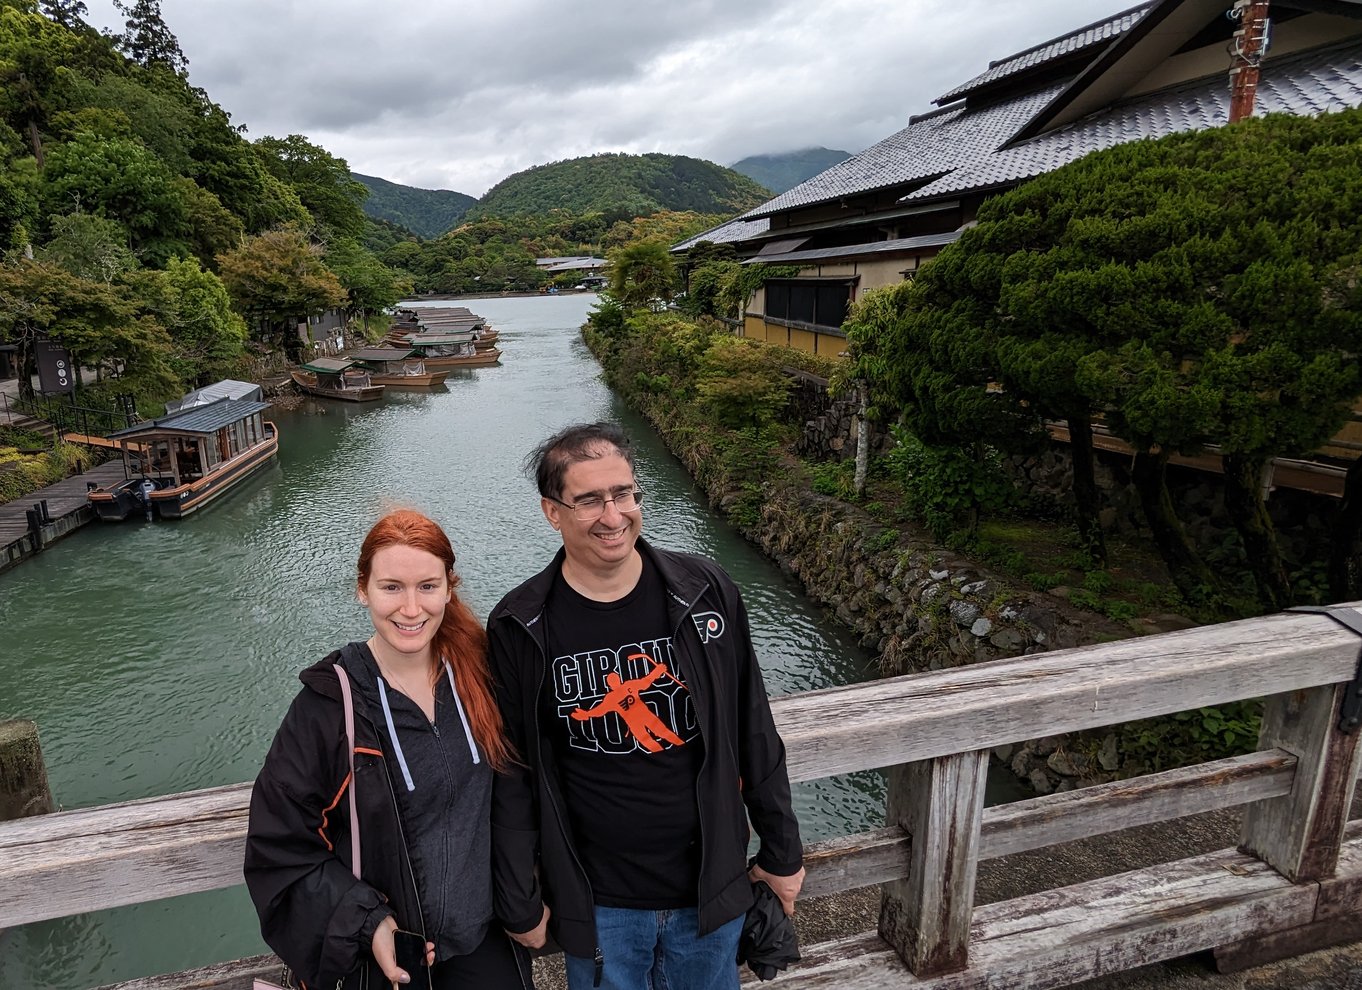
(177,464)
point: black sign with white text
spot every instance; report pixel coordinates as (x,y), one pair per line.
(55,374)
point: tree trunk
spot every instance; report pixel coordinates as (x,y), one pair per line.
(1248,512)
(1345,568)
(862,439)
(36,140)
(1087,506)
(1189,572)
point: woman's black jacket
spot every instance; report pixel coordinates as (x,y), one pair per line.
(313,912)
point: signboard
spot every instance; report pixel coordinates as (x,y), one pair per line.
(56,376)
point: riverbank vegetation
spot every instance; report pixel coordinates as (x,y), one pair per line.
(141,230)
(29,461)
(1188,294)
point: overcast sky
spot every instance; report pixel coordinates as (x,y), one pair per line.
(460,95)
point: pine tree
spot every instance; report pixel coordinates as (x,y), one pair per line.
(146,38)
(70,14)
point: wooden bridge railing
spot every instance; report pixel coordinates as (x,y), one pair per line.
(1297,876)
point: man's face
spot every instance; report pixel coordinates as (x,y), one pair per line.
(604,544)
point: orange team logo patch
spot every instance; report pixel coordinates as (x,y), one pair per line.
(623,701)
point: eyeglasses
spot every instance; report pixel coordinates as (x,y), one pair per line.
(592,507)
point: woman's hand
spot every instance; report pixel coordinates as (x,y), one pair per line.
(536,936)
(382,948)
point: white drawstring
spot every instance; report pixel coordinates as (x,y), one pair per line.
(468,733)
(392,734)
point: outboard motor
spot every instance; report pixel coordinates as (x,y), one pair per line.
(148,486)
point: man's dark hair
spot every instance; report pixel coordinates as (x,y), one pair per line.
(548,463)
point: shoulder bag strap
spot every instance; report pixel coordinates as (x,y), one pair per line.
(350,745)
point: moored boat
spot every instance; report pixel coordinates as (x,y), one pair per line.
(179,463)
(400,366)
(336,378)
(451,350)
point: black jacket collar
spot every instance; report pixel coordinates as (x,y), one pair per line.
(684,584)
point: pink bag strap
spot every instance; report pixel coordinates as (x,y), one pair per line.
(350,745)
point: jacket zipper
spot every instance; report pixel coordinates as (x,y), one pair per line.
(553,800)
(704,757)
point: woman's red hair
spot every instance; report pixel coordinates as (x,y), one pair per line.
(460,639)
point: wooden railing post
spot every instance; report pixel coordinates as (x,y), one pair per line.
(940,804)
(1299,835)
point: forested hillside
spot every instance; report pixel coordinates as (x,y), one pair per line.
(428,212)
(785,171)
(620,187)
(140,230)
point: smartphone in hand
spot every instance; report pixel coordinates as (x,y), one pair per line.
(410,950)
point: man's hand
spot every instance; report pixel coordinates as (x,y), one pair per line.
(785,888)
(536,936)
(382,948)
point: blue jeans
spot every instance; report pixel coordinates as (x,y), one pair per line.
(658,950)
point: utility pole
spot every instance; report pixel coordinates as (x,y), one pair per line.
(1247,48)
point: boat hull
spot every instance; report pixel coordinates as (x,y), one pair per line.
(308,384)
(478,360)
(429,380)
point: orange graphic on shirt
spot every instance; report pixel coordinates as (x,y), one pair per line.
(624,698)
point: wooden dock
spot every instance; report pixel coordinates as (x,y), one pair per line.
(66,505)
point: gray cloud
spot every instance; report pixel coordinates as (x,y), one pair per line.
(458,96)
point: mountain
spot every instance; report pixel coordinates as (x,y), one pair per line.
(428,212)
(785,171)
(621,187)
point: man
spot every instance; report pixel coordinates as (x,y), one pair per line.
(629,689)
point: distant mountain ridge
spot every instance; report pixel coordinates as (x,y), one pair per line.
(784,171)
(622,187)
(427,212)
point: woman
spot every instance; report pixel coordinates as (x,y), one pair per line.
(428,738)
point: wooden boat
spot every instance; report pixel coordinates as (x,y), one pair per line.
(400,366)
(336,378)
(451,350)
(179,463)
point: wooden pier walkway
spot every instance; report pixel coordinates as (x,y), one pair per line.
(66,505)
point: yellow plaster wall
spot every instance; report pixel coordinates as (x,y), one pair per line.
(802,340)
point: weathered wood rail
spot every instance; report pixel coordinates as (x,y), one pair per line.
(1295,882)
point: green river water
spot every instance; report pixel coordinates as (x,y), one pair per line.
(158,658)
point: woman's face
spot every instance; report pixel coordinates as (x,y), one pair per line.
(406,595)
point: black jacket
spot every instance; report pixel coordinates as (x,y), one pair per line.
(313,912)
(744,761)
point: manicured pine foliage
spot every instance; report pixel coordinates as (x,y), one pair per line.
(1197,290)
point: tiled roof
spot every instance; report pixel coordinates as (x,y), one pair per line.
(726,233)
(1310,83)
(1097,33)
(860,250)
(201,419)
(927,148)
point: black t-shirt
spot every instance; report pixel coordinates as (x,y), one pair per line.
(627,744)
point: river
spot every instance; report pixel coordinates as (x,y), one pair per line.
(160,657)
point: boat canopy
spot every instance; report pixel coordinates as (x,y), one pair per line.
(228,388)
(328,366)
(437,339)
(382,353)
(206,419)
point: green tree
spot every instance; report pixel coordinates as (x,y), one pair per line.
(146,38)
(369,284)
(279,279)
(89,247)
(119,179)
(70,14)
(101,325)
(741,383)
(207,337)
(322,182)
(642,273)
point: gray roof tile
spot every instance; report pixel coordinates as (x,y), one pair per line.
(200,419)
(1309,83)
(931,145)
(1092,35)
(726,233)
